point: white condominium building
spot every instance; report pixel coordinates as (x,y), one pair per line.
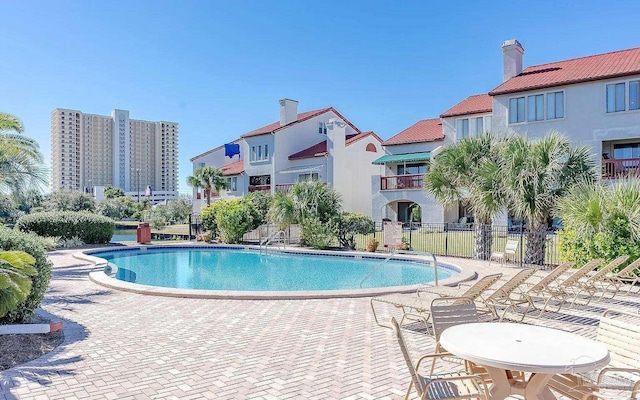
(91,151)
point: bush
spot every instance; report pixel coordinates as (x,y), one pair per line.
(117,208)
(350,225)
(158,217)
(261,200)
(31,244)
(234,218)
(90,228)
(318,234)
(209,217)
(179,209)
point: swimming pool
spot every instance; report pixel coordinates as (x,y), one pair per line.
(245,270)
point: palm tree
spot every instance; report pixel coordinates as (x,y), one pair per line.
(468,171)
(16,270)
(537,173)
(21,163)
(207,178)
(308,199)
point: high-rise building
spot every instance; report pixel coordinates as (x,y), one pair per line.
(91,151)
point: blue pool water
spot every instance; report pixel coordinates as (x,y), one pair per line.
(245,270)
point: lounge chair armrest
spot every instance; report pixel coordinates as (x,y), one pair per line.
(604,371)
(477,379)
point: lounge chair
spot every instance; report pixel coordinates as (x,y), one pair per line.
(473,292)
(600,280)
(503,256)
(620,333)
(453,386)
(628,275)
(413,308)
(505,298)
(568,287)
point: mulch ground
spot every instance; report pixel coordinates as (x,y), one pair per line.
(19,349)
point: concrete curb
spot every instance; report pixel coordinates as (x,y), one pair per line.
(30,328)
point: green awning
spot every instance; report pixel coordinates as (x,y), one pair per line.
(401,158)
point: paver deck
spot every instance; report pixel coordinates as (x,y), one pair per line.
(121,345)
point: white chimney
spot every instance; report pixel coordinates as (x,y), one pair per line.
(512,52)
(288,111)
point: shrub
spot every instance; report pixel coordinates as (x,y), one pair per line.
(90,228)
(209,217)
(29,243)
(16,270)
(234,218)
(318,234)
(350,225)
(372,245)
(261,200)
(158,217)
(117,208)
(180,209)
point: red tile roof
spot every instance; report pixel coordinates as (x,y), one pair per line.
(479,103)
(233,169)
(320,149)
(427,130)
(584,69)
(275,126)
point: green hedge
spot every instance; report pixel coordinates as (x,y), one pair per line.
(29,243)
(90,228)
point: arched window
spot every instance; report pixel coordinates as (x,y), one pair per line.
(372,148)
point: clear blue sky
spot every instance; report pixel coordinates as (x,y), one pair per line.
(219,67)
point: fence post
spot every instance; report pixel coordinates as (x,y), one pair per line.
(190,226)
(446,238)
(410,230)
(521,244)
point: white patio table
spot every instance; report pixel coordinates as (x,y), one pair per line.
(505,347)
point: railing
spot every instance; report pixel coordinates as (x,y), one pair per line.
(285,187)
(620,167)
(458,240)
(406,252)
(279,236)
(401,182)
(258,188)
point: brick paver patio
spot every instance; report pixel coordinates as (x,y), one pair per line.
(122,345)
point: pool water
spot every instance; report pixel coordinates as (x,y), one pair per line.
(245,270)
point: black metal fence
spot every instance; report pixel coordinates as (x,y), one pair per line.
(458,240)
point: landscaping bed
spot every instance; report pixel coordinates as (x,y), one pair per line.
(19,349)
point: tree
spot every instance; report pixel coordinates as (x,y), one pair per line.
(63,200)
(179,209)
(468,171)
(111,192)
(262,202)
(350,225)
(16,270)
(21,163)
(118,208)
(537,174)
(207,178)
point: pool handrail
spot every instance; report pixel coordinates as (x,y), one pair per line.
(279,235)
(406,252)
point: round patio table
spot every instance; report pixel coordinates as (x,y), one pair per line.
(505,347)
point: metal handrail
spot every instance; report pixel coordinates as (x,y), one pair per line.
(280,235)
(405,252)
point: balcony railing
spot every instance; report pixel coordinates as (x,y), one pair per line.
(401,182)
(285,187)
(258,188)
(620,168)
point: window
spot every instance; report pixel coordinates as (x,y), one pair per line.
(462,128)
(626,150)
(487,123)
(322,128)
(266,151)
(311,176)
(201,165)
(478,126)
(232,184)
(634,95)
(412,169)
(252,156)
(555,105)
(516,110)
(257,153)
(536,108)
(615,97)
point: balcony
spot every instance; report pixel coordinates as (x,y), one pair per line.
(401,182)
(620,168)
(259,188)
